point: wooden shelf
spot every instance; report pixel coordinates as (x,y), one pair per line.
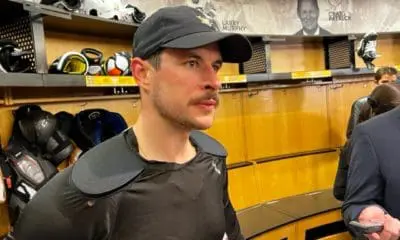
(61,80)
(267,216)
(291,39)
(90,25)
(56,19)
(268,77)
(21,80)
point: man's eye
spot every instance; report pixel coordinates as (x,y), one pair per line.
(217,67)
(192,63)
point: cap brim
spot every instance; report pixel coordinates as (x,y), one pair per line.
(234,48)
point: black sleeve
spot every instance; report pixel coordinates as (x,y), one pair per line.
(231,222)
(353,118)
(364,183)
(59,211)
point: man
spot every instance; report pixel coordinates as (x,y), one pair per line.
(372,192)
(382,75)
(160,179)
(308,13)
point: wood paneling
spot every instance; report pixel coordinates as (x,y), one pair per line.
(228,126)
(4,226)
(282,121)
(340,98)
(320,170)
(6,121)
(294,176)
(287,232)
(229,69)
(306,56)
(243,187)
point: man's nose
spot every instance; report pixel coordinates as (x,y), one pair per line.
(211,79)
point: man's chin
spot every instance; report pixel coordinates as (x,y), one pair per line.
(203,123)
(196,125)
(202,126)
(311,29)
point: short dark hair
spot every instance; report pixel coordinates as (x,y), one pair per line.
(382,99)
(385,70)
(155,60)
(299,2)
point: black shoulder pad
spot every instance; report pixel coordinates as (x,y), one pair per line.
(108,166)
(208,144)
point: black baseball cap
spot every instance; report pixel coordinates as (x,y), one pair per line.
(184,27)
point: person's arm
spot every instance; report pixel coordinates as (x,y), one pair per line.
(365,111)
(364,193)
(339,186)
(231,222)
(353,118)
(364,183)
(59,211)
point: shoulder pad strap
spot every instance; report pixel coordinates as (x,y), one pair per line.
(208,144)
(108,166)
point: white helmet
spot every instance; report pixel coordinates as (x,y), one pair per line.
(103,8)
(112,9)
(69,5)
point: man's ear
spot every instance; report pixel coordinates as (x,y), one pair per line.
(141,71)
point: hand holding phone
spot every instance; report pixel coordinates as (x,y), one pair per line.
(368,227)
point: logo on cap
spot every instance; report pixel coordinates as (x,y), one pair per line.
(216,169)
(205,21)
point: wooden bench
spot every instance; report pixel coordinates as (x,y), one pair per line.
(310,216)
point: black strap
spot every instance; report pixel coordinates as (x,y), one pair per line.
(208,144)
(94,56)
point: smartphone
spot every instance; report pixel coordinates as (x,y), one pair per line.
(367,228)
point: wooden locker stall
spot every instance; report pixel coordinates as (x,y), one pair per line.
(296,175)
(283,121)
(228,126)
(340,97)
(244,187)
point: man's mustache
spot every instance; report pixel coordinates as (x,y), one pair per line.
(207,96)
